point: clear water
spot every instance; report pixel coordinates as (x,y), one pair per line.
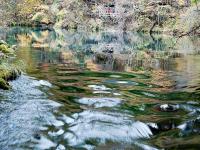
(102,91)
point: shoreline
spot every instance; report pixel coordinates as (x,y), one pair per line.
(9,68)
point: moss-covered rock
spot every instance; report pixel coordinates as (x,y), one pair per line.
(5,48)
(9,68)
(8,72)
(4,84)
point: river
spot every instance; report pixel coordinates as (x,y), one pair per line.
(102,90)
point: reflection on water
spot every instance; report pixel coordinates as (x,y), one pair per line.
(100,102)
(113,51)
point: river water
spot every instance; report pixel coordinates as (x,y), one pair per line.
(105,90)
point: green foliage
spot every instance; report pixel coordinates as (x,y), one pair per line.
(196,3)
(27,8)
(5,49)
(18,11)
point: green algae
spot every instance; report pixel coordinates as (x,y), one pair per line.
(172,140)
(72,89)
(105,74)
(68,80)
(182,96)
(9,70)
(129,83)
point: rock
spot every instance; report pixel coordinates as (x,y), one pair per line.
(42,18)
(14,74)
(4,85)
(37,136)
(168,108)
(190,127)
(14,47)
(1,55)
(110,51)
(3,42)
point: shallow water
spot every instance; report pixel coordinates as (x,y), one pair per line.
(102,91)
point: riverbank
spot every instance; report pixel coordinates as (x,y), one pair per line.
(176,18)
(9,68)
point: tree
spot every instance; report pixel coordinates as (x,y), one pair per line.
(16,11)
(27,7)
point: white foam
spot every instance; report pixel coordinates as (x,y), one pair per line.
(182,126)
(60,147)
(58,133)
(45,143)
(58,123)
(67,119)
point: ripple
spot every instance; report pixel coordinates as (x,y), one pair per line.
(122,82)
(58,133)
(100,89)
(100,102)
(103,126)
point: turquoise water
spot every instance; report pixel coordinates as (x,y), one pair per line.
(102,91)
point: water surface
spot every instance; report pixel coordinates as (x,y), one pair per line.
(102,91)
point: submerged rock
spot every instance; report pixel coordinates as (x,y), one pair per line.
(6,75)
(168,108)
(190,127)
(37,136)
(163,125)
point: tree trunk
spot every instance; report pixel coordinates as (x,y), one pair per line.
(151,29)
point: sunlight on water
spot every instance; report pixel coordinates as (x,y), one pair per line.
(23,110)
(105,126)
